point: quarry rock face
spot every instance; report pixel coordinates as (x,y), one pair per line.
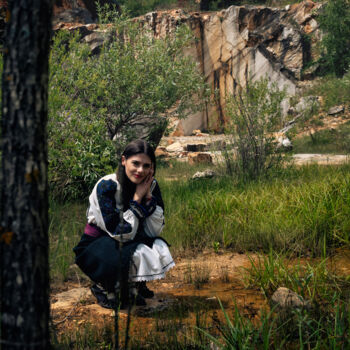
(237,44)
(241,43)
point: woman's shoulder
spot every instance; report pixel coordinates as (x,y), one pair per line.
(107,183)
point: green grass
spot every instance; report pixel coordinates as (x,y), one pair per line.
(304,210)
(335,91)
(332,141)
(300,211)
(67,222)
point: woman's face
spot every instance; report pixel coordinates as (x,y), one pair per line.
(137,167)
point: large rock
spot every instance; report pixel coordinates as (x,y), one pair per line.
(199,158)
(239,43)
(232,46)
(61,6)
(284,299)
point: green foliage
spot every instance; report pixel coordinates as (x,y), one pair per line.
(67,222)
(325,322)
(96,103)
(335,91)
(255,113)
(335,23)
(140,7)
(315,283)
(336,141)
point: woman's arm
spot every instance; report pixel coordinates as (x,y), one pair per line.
(154,221)
(108,215)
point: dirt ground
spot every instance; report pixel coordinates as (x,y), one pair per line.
(199,280)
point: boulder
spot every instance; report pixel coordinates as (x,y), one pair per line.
(284,299)
(175,147)
(206,174)
(284,143)
(336,110)
(96,40)
(198,158)
(73,15)
(161,152)
(306,103)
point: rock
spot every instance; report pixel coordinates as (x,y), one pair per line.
(175,147)
(235,43)
(90,5)
(218,145)
(311,72)
(198,157)
(95,41)
(175,125)
(231,45)
(284,298)
(197,147)
(179,131)
(160,152)
(67,299)
(206,174)
(284,143)
(336,110)
(306,103)
(73,15)
(196,132)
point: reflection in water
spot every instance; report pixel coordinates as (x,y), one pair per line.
(179,311)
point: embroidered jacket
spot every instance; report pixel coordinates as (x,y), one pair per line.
(105,207)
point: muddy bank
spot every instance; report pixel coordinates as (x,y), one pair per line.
(194,287)
(188,298)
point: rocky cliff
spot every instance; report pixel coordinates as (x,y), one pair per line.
(234,45)
(239,43)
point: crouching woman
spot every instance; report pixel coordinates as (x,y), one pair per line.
(120,249)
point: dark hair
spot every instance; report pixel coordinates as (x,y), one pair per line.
(133,148)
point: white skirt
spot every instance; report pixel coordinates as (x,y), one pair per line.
(150,263)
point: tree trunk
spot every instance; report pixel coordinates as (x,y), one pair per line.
(24,276)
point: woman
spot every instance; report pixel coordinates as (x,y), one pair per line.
(121,249)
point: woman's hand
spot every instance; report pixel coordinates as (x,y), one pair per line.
(144,188)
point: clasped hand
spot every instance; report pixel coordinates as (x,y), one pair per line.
(144,188)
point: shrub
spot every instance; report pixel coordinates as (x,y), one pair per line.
(335,91)
(137,8)
(335,23)
(96,103)
(255,113)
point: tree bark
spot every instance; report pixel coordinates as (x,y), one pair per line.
(24,275)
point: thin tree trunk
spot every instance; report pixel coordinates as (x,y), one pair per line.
(24,276)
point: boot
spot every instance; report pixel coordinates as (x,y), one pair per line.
(144,291)
(135,298)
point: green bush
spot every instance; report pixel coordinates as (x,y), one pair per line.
(96,102)
(140,7)
(336,141)
(335,23)
(255,113)
(335,91)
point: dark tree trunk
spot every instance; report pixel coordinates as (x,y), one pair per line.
(24,275)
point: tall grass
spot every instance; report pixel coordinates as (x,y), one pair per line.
(336,141)
(302,210)
(335,91)
(67,223)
